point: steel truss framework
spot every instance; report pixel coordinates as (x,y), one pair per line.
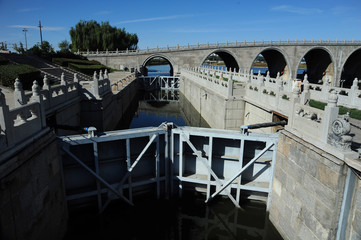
(110,165)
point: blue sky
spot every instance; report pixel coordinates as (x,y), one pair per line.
(162,23)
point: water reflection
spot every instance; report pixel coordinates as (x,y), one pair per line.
(184,218)
(155,107)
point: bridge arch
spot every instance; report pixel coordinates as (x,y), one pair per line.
(277,61)
(154,56)
(351,68)
(319,62)
(228,57)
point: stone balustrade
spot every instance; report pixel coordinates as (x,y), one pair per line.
(219,45)
(286,97)
(210,81)
(121,83)
(348,97)
(29,115)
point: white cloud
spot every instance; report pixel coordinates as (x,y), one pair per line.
(36,27)
(296,10)
(153,19)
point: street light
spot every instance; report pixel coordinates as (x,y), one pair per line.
(26,42)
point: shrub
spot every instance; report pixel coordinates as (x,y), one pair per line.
(3,61)
(65,62)
(88,69)
(354,113)
(27,74)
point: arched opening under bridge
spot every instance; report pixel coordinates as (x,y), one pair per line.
(351,69)
(222,59)
(157,66)
(317,63)
(272,61)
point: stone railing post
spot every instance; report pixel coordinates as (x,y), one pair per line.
(295,99)
(96,85)
(230,87)
(267,77)
(330,114)
(106,79)
(306,95)
(46,85)
(47,92)
(64,84)
(37,97)
(353,94)
(6,124)
(279,82)
(19,96)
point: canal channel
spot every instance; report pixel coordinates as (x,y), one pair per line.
(185,217)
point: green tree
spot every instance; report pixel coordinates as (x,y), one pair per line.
(20,49)
(64,45)
(42,49)
(92,35)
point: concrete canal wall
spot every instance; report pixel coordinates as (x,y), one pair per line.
(308,190)
(217,110)
(316,187)
(32,202)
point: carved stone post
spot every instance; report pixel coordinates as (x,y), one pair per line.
(267,77)
(330,114)
(46,85)
(279,82)
(106,79)
(230,87)
(6,124)
(37,97)
(19,97)
(95,85)
(64,84)
(306,95)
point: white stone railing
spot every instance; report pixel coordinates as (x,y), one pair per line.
(121,83)
(274,95)
(20,123)
(100,85)
(348,97)
(217,85)
(53,96)
(29,115)
(226,44)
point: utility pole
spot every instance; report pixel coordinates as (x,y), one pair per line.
(41,35)
(26,42)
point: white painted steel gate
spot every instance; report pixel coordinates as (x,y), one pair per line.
(167,159)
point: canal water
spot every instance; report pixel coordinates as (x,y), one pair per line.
(188,217)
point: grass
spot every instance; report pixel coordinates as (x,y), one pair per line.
(88,69)
(354,113)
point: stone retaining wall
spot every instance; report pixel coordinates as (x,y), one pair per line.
(32,202)
(307,190)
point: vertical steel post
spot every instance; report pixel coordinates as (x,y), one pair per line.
(130,188)
(157,167)
(274,155)
(241,153)
(180,164)
(210,152)
(96,163)
(172,163)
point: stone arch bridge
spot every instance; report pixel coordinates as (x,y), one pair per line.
(336,59)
